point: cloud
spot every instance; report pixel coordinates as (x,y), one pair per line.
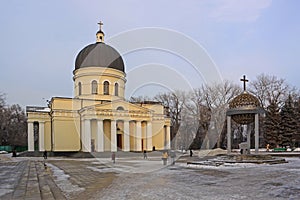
(237,10)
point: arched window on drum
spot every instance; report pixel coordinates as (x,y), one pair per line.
(79,88)
(116,89)
(94,87)
(106,88)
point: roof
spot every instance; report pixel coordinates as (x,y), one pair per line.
(37,109)
(99,55)
(244,101)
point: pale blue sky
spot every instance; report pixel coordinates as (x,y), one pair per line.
(40,39)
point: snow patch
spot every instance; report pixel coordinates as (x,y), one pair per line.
(5,191)
(211,152)
(63,182)
(224,166)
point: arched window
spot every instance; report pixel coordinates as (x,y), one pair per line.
(120,108)
(79,88)
(116,89)
(106,88)
(94,87)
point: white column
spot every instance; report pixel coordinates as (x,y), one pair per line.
(228,134)
(86,142)
(113,136)
(82,135)
(41,136)
(149,136)
(30,136)
(256,127)
(249,138)
(138,137)
(100,136)
(126,136)
(168,146)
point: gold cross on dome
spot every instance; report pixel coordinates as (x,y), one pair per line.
(244,80)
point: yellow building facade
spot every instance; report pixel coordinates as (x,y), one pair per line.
(98,118)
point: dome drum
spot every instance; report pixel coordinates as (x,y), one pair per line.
(96,64)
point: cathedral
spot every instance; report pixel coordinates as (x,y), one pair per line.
(98,118)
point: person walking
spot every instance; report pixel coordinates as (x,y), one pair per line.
(268,147)
(145,154)
(165,157)
(173,156)
(191,153)
(113,157)
(45,154)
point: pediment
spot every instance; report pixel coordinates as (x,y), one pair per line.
(120,105)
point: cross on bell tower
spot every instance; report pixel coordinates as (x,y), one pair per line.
(100,33)
(244,80)
(100,25)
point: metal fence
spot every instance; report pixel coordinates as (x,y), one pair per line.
(11,148)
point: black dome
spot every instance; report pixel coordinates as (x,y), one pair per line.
(99,55)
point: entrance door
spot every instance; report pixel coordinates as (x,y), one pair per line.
(36,130)
(119,142)
(93,145)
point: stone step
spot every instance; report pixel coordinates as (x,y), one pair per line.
(20,190)
(48,188)
(42,179)
(36,182)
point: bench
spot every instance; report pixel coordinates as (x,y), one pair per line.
(279,149)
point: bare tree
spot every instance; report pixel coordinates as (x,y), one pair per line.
(2,117)
(12,124)
(140,99)
(17,126)
(174,101)
(2,100)
(217,98)
(271,90)
(208,105)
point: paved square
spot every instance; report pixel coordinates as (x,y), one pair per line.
(136,178)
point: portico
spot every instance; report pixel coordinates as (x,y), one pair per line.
(118,134)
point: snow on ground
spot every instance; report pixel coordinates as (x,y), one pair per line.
(297,149)
(211,152)
(63,182)
(125,165)
(149,179)
(223,166)
(5,191)
(244,181)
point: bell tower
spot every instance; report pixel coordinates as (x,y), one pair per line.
(100,34)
